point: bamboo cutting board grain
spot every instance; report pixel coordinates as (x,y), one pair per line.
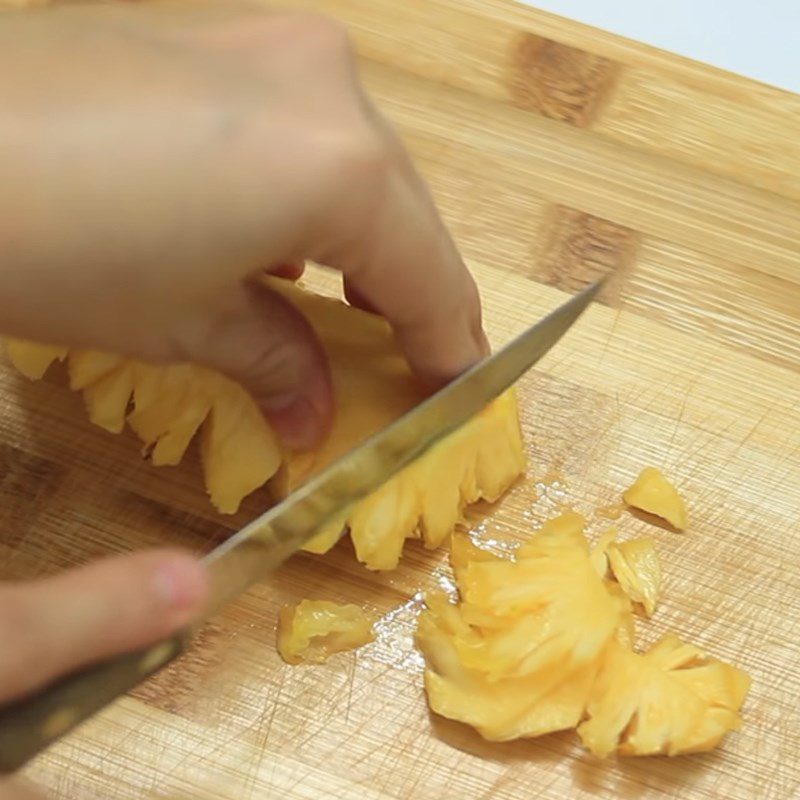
(557,153)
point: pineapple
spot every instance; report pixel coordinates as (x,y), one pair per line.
(167,406)
(541,639)
(673,699)
(599,553)
(653,493)
(625,633)
(547,606)
(500,710)
(314,630)
(518,656)
(636,568)
(31,359)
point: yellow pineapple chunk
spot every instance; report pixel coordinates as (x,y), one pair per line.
(32,359)
(599,553)
(653,493)
(626,630)
(637,570)
(88,366)
(546,607)
(463,550)
(168,405)
(511,708)
(313,630)
(518,655)
(540,639)
(673,699)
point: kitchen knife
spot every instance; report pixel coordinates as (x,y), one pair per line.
(29,725)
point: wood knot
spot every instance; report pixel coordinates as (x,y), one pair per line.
(578,248)
(559,81)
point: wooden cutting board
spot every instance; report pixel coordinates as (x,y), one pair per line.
(557,152)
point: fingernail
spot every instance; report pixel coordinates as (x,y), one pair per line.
(296,420)
(181,584)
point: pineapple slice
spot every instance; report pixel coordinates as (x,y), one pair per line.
(32,359)
(673,699)
(541,638)
(518,656)
(546,607)
(463,551)
(653,493)
(313,630)
(599,553)
(626,630)
(167,406)
(513,708)
(636,568)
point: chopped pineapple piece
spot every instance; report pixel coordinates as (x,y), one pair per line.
(512,708)
(610,512)
(240,453)
(626,630)
(518,655)
(313,630)
(540,638)
(463,550)
(546,607)
(599,553)
(32,359)
(637,570)
(673,699)
(653,493)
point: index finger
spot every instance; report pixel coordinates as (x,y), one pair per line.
(402,262)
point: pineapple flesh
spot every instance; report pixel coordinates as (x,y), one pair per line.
(542,639)
(518,655)
(636,568)
(652,492)
(670,700)
(167,406)
(313,630)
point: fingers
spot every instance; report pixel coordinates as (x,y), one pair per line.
(17,790)
(52,626)
(400,261)
(292,270)
(263,342)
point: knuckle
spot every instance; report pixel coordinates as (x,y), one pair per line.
(355,157)
(317,36)
(277,369)
(361,155)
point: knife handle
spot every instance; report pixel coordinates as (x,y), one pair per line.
(33,723)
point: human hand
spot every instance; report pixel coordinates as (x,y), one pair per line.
(52,626)
(163,155)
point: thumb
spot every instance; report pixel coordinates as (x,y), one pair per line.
(263,342)
(49,627)
(19,790)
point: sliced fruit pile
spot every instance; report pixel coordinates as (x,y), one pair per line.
(542,639)
(539,639)
(167,406)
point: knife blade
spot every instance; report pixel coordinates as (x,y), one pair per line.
(31,724)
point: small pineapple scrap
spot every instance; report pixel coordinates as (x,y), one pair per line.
(653,493)
(313,630)
(626,630)
(599,553)
(636,568)
(32,359)
(517,657)
(168,405)
(670,700)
